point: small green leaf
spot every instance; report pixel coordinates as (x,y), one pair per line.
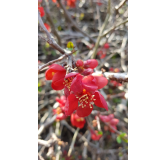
(39,89)
(118,139)
(100,132)
(122,134)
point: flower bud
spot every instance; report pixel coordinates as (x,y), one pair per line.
(91,63)
(79,63)
(106,46)
(87,72)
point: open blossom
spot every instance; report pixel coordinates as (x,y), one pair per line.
(60,80)
(77,121)
(56,73)
(84,91)
(111,120)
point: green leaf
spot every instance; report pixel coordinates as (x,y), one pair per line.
(118,139)
(39,89)
(122,134)
(100,132)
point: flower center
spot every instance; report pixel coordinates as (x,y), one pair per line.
(79,119)
(86,99)
(53,73)
(68,82)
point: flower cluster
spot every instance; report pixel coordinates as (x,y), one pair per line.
(111,120)
(81,91)
(77,121)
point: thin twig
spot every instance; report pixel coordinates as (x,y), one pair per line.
(121,77)
(114,27)
(45,125)
(50,39)
(53,61)
(73,141)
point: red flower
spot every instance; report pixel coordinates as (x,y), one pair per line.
(60,113)
(47,27)
(95,135)
(77,121)
(111,120)
(62,101)
(41,10)
(84,91)
(57,73)
(60,110)
(54,1)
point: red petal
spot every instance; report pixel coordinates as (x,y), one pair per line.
(83,112)
(76,85)
(49,74)
(72,119)
(66,91)
(57,67)
(89,83)
(71,104)
(58,85)
(100,101)
(58,76)
(100,81)
(72,74)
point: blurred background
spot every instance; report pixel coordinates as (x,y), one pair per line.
(98,29)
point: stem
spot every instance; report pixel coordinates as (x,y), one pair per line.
(73,142)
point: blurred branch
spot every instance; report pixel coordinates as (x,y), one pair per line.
(121,77)
(117,7)
(114,27)
(50,40)
(48,15)
(45,125)
(67,15)
(50,142)
(53,61)
(72,143)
